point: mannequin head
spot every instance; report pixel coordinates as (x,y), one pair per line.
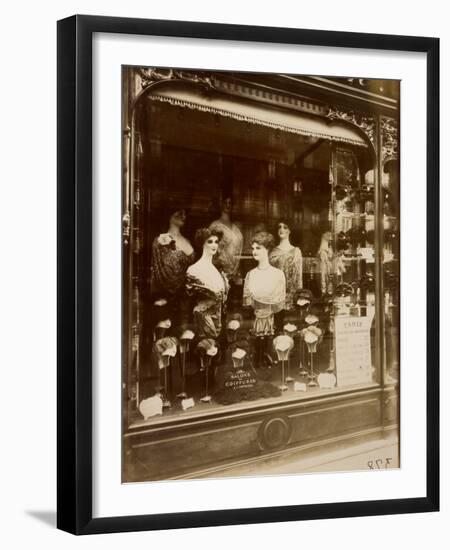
(207,241)
(326,237)
(177,218)
(285,229)
(171,218)
(226,206)
(262,244)
(325,241)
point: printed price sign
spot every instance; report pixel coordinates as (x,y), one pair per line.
(353,351)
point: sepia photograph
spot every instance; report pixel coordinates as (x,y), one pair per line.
(260,274)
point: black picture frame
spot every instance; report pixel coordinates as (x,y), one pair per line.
(75,292)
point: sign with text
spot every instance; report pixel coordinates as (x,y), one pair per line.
(353,353)
(239,379)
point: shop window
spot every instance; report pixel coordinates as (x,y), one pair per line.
(258,264)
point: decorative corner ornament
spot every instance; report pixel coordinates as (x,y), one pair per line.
(389,132)
(151,75)
(363,122)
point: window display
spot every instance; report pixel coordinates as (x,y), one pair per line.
(259,236)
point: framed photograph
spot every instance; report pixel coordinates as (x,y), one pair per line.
(248,286)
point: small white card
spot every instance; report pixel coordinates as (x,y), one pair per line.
(299,386)
(151,406)
(326,380)
(187,403)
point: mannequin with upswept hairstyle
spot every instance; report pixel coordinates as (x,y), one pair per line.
(172,253)
(288,258)
(207,285)
(264,291)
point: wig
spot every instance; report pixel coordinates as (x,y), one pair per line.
(264,239)
(293,228)
(164,213)
(203,234)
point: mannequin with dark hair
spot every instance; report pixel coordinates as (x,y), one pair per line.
(172,254)
(207,285)
(289,259)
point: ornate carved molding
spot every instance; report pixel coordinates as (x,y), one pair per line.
(366,123)
(150,75)
(247,90)
(389,132)
(266,95)
(363,122)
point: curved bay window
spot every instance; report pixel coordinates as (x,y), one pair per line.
(261,271)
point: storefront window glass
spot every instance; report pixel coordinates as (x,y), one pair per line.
(261,265)
(255,262)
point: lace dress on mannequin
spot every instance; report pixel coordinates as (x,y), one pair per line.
(169,265)
(209,289)
(172,254)
(291,264)
(265,292)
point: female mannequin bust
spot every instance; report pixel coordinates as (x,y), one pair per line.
(289,259)
(172,253)
(230,247)
(207,285)
(325,255)
(264,287)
